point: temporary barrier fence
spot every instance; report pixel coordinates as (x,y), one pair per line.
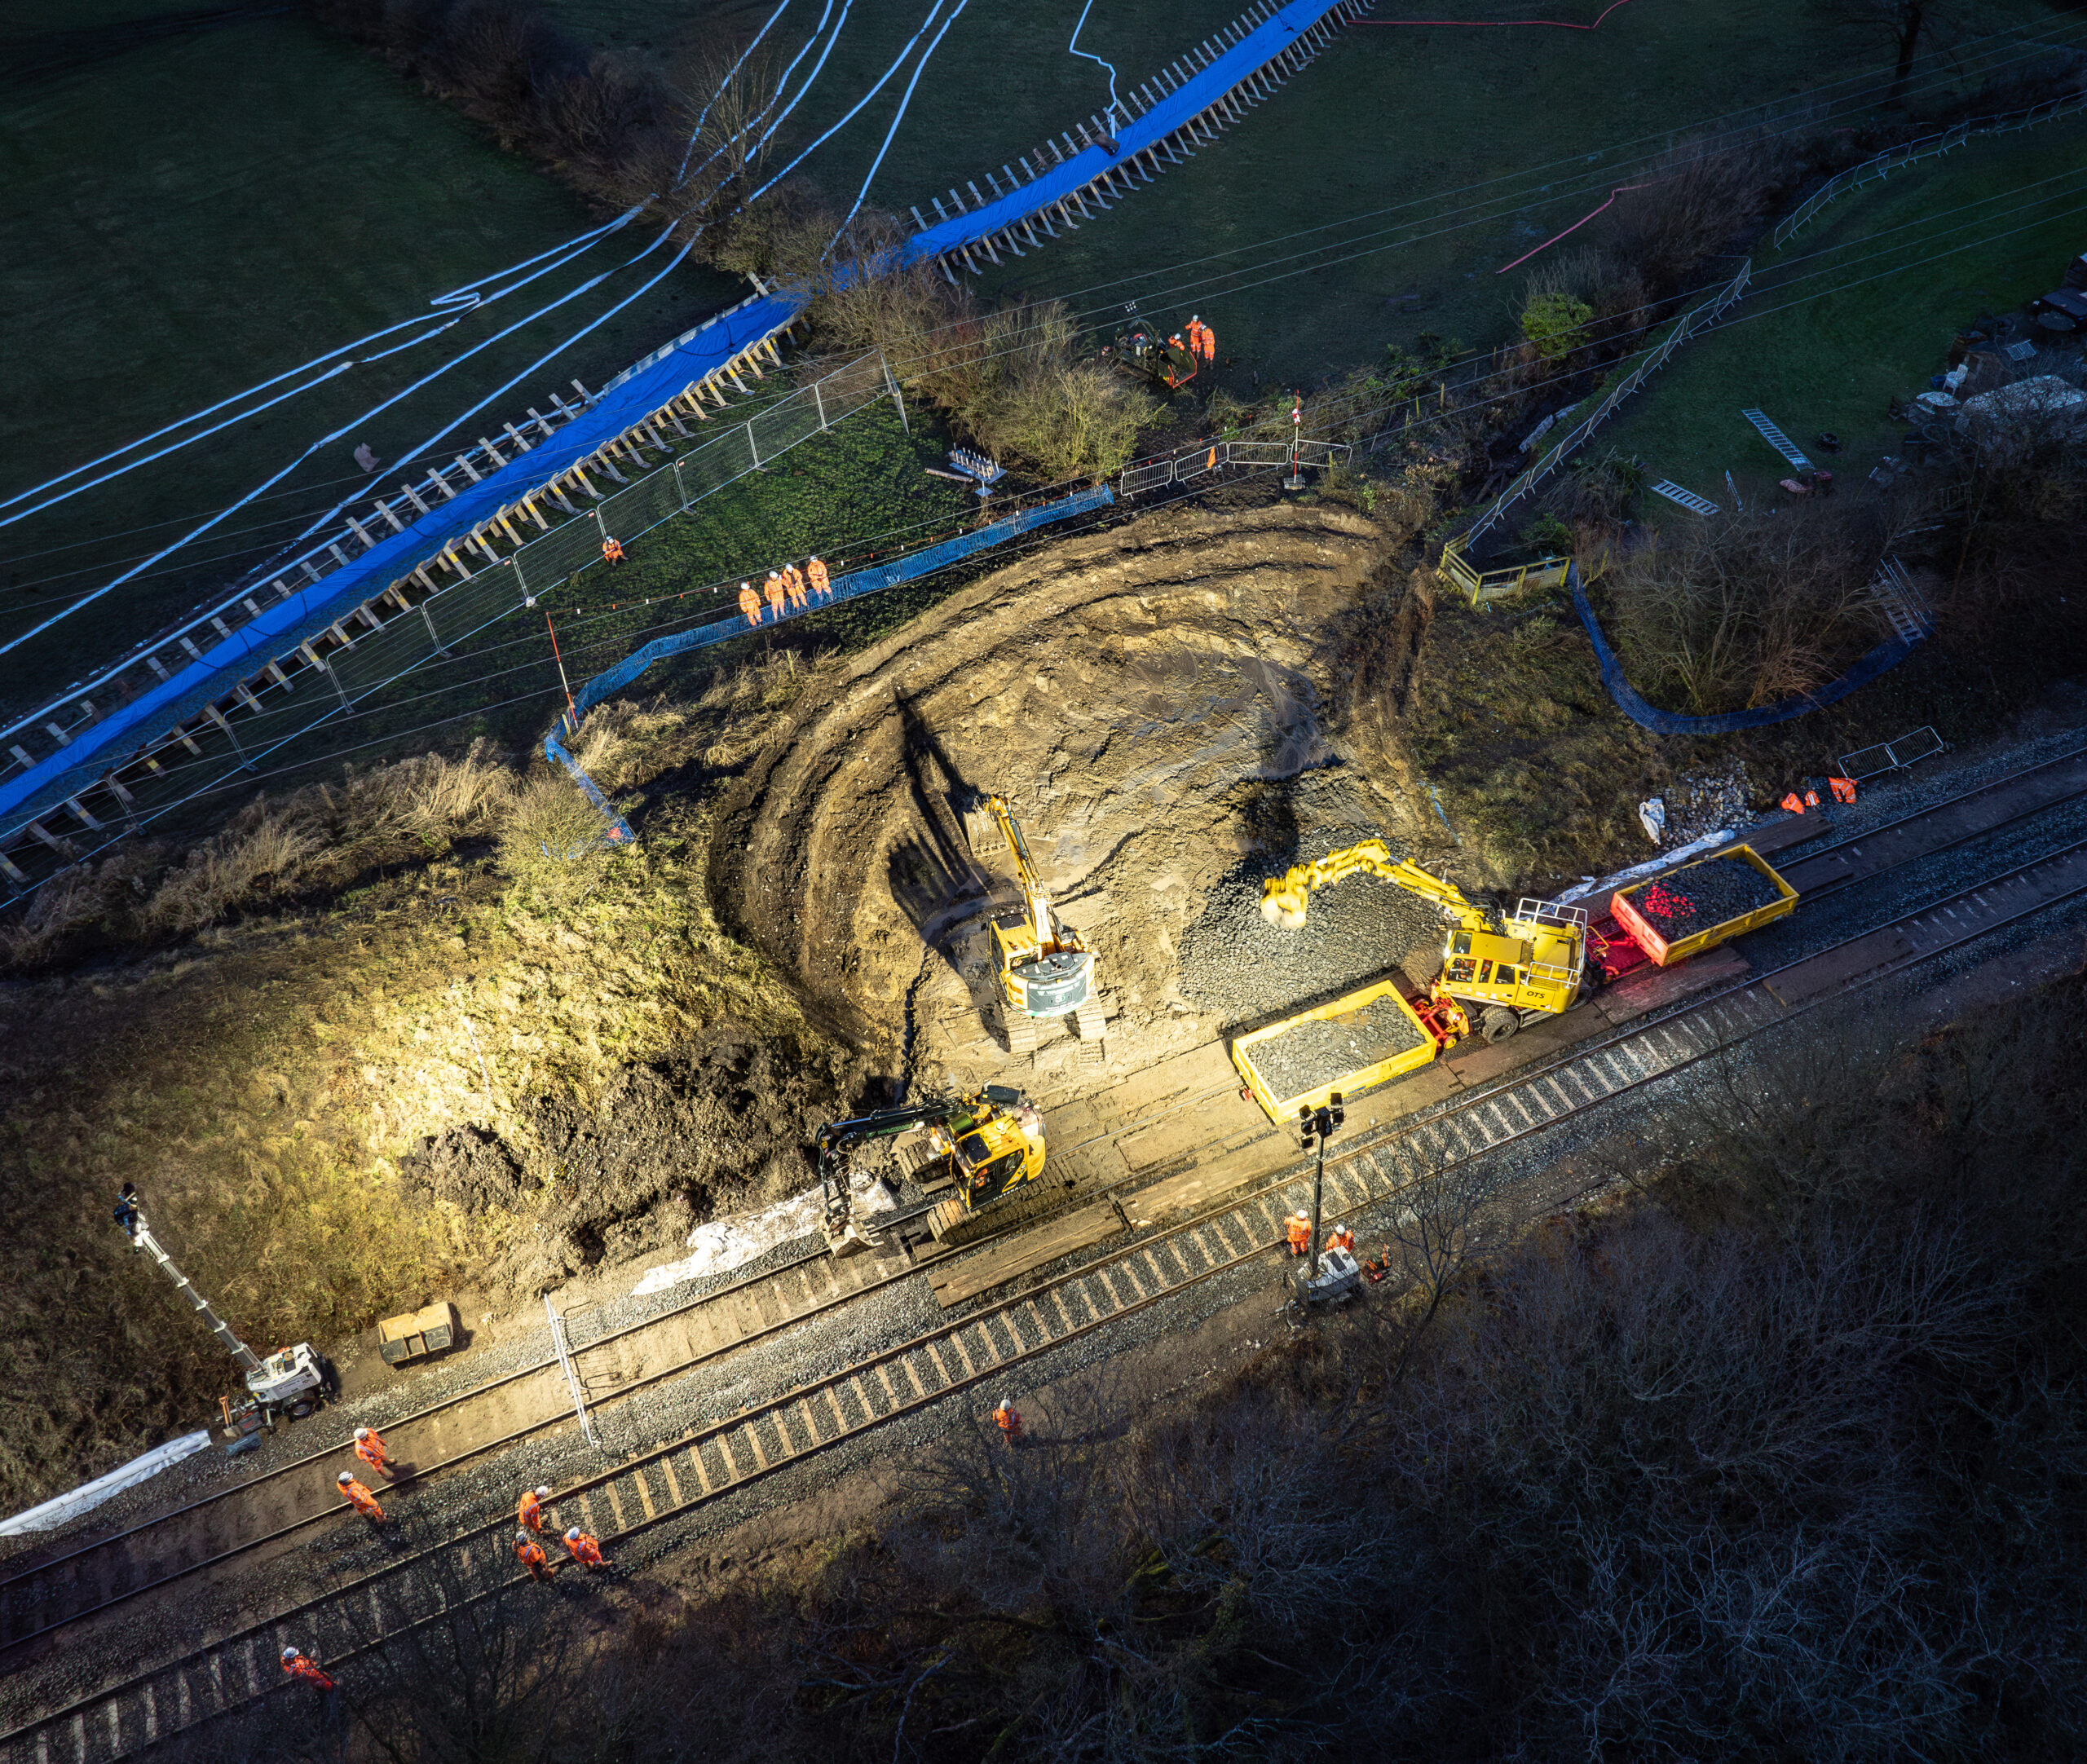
(1701,318)
(1892,756)
(851,586)
(1142,477)
(277,695)
(1482,586)
(1882,165)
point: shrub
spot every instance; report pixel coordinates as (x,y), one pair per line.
(1744,610)
(1556,324)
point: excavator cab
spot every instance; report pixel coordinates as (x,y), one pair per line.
(1046,971)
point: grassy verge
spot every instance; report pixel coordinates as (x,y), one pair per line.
(1857,309)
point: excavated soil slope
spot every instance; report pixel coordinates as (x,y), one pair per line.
(1138,696)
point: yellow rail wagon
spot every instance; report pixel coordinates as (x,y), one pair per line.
(1366,1038)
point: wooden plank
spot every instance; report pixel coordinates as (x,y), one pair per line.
(997,1264)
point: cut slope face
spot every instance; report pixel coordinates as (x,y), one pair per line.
(1131,693)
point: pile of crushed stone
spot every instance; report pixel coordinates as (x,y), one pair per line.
(1702,895)
(1234,962)
(1317,1053)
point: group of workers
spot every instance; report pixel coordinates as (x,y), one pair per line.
(533,1510)
(1201,339)
(788,585)
(1298,1229)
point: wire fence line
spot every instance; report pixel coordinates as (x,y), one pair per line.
(442,609)
(1143,476)
(1701,318)
(1879,167)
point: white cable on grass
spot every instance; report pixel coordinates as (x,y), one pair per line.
(694,133)
(811,79)
(927,55)
(1073,48)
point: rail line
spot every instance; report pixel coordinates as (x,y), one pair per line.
(1474,1124)
(27,1613)
(673,1479)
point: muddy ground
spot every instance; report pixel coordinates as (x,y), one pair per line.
(1149,699)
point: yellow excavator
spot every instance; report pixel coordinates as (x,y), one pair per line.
(984,1144)
(1530,963)
(1045,970)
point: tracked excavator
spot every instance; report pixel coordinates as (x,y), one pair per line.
(987,1145)
(1505,968)
(1144,353)
(1045,970)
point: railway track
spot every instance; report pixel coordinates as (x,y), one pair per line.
(673,1477)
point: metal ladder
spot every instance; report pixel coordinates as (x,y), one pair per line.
(1687,499)
(1777,439)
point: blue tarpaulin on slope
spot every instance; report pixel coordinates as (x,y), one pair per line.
(851,586)
(316,606)
(1256,49)
(1885,656)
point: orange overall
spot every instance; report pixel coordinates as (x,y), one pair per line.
(816,573)
(303,1668)
(1009,1422)
(374,1452)
(749,603)
(774,590)
(531,1555)
(362,1500)
(529,1511)
(586,1551)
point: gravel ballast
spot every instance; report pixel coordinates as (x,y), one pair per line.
(1235,963)
(1316,1051)
(1701,896)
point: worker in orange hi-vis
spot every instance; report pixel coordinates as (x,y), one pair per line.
(585,1551)
(749,603)
(1009,1420)
(371,1448)
(612,548)
(1340,1237)
(794,585)
(1210,344)
(299,1668)
(530,1553)
(1843,788)
(1298,1229)
(774,590)
(530,1508)
(816,574)
(359,1497)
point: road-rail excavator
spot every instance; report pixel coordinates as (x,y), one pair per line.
(986,1143)
(1507,967)
(1046,971)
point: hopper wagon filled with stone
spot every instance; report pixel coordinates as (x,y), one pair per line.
(1690,909)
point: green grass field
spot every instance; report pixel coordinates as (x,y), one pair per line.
(1857,308)
(1406,125)
(185,213)
(191,202)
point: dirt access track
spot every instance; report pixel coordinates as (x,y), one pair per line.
(1144,699)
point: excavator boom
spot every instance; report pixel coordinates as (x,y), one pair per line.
(1284,898)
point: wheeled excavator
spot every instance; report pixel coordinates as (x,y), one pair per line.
(1508,967)
(1045,970)
(984,1143)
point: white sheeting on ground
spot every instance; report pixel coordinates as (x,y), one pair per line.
(60,1508)
(725,1243)
(1724,836)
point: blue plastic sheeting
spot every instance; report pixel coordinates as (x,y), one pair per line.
(1885,656)
(618,831)
(283,626)
(849,587)
(1251,52)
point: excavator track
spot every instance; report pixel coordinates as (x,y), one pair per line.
(954,1223)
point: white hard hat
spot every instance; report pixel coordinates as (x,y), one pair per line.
(521,1537)
(289,1653)
(362,1433)
(572,1535)
(346,1476)
(543,1494)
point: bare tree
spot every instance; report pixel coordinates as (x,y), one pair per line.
(1902,21)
